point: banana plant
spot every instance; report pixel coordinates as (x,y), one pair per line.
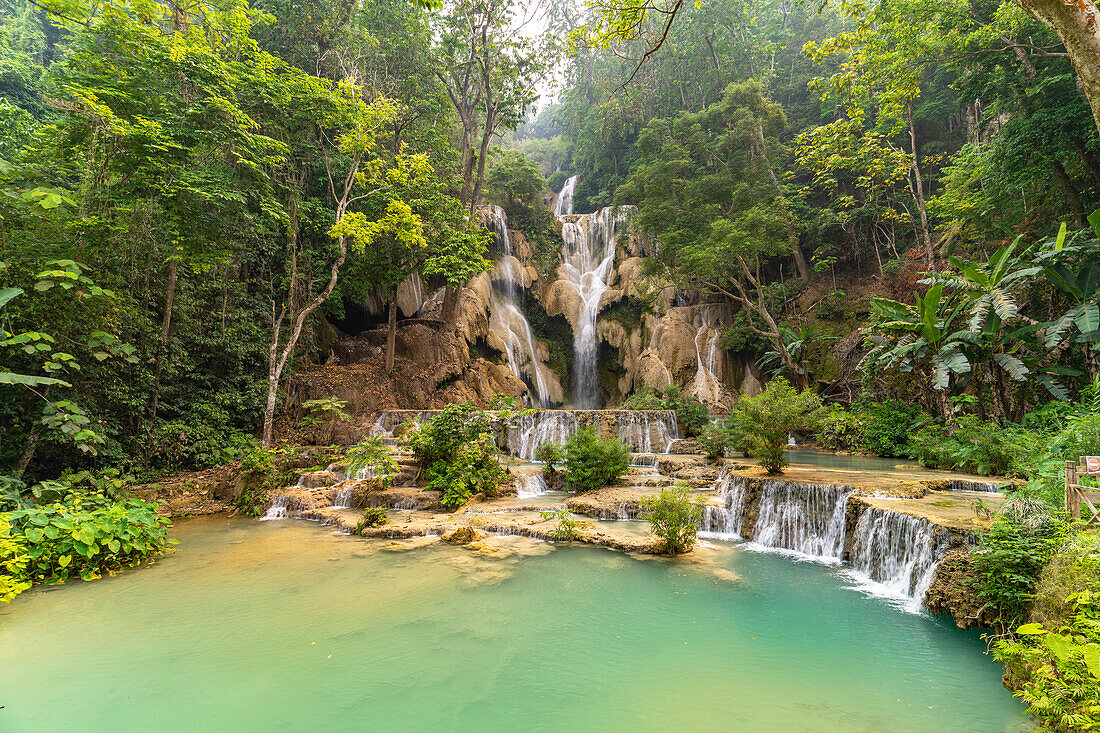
(1074,270)
(795,343)
(921,336)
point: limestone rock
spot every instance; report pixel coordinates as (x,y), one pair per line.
(562,299)
(463,536)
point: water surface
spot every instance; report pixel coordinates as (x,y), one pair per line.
(258,626)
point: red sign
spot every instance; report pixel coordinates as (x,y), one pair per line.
(1092,464)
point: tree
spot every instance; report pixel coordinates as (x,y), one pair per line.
(674,516)
(705,189)
(514,182)
(761,426)
(592,462)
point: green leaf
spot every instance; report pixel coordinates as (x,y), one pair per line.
(1088,320)
(64,560)
(1031,630)
(7,294)
(30,380)
(113,545)
(1092,656)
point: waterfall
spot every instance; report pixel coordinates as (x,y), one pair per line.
(530,484)
(896,554)
(588,253)
(637,430)
(528,432)
(804,518)
(643,431)
(707,385)
(564,205)
(342,499)
(507,320)
(278,509)
(725,520)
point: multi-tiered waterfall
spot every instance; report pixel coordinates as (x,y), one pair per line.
(507,320)
(890,553)
(588,254)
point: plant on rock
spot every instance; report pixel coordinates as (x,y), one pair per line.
(458,452)
(761,426)
(372,517)
(550,454)
(566,528)
(674,515)
(326,411)
(372,459)
(592,462)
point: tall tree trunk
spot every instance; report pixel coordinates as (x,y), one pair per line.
(1077,24)
(792,230)
(1088,159)
(162,341)
(918,191)
(28,451)
(1070,190)
(450,305)
(391,330)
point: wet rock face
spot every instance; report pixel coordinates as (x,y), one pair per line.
(951,595)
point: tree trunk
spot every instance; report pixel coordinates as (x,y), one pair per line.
(1071,193)
(1078,26)
(162,341)
(918,191)
(28,451)
(1088,159)
(792,230)
(450,305)
(391,330)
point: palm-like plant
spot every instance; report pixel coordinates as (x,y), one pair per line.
(795,342)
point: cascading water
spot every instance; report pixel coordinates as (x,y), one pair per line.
(507,320)
(804,518)
(530,484)
(528,432)
(278,509)
(707,386)
(588,253)
(897,554)
(639,430)
(724,520)
(343,498)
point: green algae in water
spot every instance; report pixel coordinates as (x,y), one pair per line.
(255,626)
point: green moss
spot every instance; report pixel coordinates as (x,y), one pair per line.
(628,312)
(555,332)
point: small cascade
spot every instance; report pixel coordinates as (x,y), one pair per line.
(647,431)
(530,484)
(725,520)
(343,498)
(564,203)
(897,553)
(507,320)
(527,433)
(707,386)
(279,509)
(804,518)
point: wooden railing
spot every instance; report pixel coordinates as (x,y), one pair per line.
(1076,493)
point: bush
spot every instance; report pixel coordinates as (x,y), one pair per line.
(557,181)
(592,461)
(566,528)
(885,427)
(458,453)
(1074,569)
(1057,671)
(714,440)
(372,517)
(761,425)
(674,515)
(89,535)
(1011,555)
(972,445)
(839,430)
(13,563)
(550,454)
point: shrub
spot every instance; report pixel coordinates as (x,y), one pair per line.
(550,454)
(885,427)
(592,461)
(1057,671)
(87,536)
(373,459)
(458,453)
(1074,569)
(566,528)
(714,440)
(13,563)
(839,430)
(372,517)
(761,425)
(1011,555)
(674,515)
